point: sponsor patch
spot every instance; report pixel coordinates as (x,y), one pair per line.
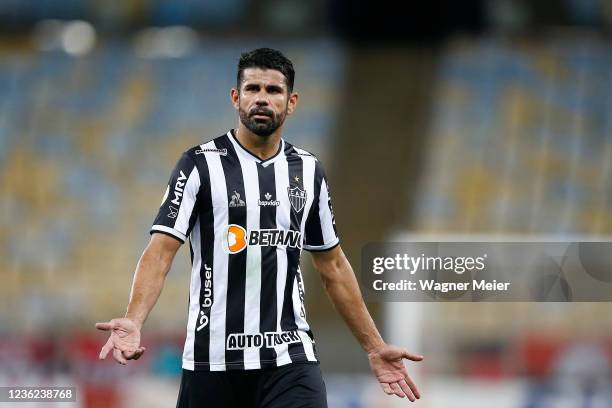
(236,238)
(173,212)
(241,341)
(207,298)
(268,201)
(222,152)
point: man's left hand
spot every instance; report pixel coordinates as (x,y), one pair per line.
(387,365)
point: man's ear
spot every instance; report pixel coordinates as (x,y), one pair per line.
(235,97)
(292,103)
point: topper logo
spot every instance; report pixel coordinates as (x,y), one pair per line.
(178,189)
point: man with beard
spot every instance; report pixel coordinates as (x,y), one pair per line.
(249,201)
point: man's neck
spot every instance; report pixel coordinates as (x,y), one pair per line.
(262,147)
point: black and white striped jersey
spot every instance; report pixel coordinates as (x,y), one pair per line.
(247,221)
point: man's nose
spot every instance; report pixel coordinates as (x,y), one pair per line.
(262,99)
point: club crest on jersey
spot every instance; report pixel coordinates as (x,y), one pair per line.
(297,197)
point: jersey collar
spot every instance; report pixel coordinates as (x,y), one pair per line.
(251,156)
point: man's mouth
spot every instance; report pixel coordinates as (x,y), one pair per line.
(261,115)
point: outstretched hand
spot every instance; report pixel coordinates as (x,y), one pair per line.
(124,340)
(387,365)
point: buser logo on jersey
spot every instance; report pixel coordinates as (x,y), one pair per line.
(207,298)
(236,238)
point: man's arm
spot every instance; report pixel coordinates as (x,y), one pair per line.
(150,275)
(341,286)
(147,285)
(343,290)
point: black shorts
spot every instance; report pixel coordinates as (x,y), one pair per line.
(298,385)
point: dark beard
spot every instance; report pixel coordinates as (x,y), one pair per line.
(258,127)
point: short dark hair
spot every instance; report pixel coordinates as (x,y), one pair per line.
(266,58)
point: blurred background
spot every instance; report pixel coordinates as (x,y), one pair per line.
(487,119)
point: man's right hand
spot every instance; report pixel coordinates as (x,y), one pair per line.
(124,340)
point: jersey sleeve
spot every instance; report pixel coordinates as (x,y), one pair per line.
(320,230)
(177,212)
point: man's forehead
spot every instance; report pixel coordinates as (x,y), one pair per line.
(268,76)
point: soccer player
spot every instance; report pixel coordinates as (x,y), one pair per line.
(249,201)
